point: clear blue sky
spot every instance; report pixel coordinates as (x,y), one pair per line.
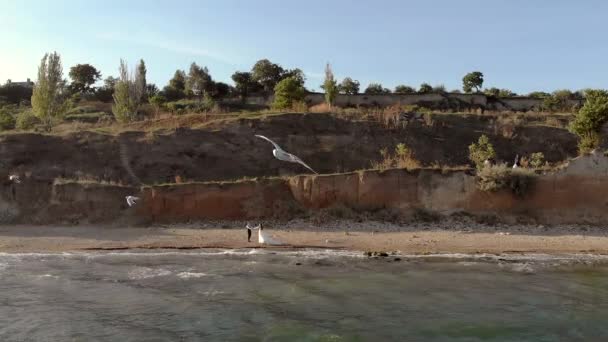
(522,45)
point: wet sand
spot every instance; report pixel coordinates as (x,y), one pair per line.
(407,239)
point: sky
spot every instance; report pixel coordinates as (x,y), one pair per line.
(520,45)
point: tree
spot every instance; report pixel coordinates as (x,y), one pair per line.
(199,81)
(403,89)
(151,89)
(176,89)
(589,120)
(472,80)
(376,88)
(492,92)
(539,94)
(288,91)
(425,88)
(127,94)
(49,100)
(244,83)
(158,101)
(83,77)
(330,86)
(267,74)
(440,88)
(105,92)
(140,76)
(349,86)
(481,151)
(220,90)
(506,93)
(295,73)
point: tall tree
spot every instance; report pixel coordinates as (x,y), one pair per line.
(472,80)
(330,86)
(49,99)
(83,77)
(244,83)
(349,86)
(199,82)
(127,94)
(140,76)
(176,89)
(266,73)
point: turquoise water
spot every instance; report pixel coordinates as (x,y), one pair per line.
(298,297)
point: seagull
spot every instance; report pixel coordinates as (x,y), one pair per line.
(281,154)
(262,237)
(516,163)
(131,200)
(14,178)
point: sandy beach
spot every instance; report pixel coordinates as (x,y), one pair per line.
(364,236)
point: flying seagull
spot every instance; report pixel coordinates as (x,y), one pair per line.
(281,154)
(262,237)
(131,200)
(14,178)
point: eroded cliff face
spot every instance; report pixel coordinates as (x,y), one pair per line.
(575,194)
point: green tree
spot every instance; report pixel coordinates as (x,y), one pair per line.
(376,88)
(506,93)
(403,89)
(472,80)
(127,95)
(537,160)
(492,91)
(220,90)
(83,77)
(538,94)
(288,91)
(7,120)
(199,81)
(425,88)
(295,73)
(140,76)
(49,98)
(267,74)
(481,151)
(349,86)
(330,85)
(244,83)
(440,88)
(589,120)
(176,89)
(158,101)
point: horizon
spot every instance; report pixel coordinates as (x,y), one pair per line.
(528,47)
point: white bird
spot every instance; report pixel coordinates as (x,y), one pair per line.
(14,178)
(131,200)
(262,237)
(281,154)
(516,163)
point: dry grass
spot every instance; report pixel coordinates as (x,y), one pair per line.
(402,157)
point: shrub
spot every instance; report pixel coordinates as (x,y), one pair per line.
(481,151)
(27,120)
(537,160)
(7,121)
(498,177)
(402,158)
(288,91)
(590,119)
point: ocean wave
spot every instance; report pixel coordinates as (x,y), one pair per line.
(188,275)
(147,272)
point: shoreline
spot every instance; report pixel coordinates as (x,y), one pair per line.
(410,239)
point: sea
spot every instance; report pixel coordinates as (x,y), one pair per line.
(307,295)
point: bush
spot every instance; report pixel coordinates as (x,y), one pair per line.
(537,160)
(7,121)
(481,151)
(590,119)
(402,158)
(498,177)
(288,91)
(27,120)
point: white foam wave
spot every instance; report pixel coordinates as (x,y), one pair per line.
(147,272)
(188,275)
